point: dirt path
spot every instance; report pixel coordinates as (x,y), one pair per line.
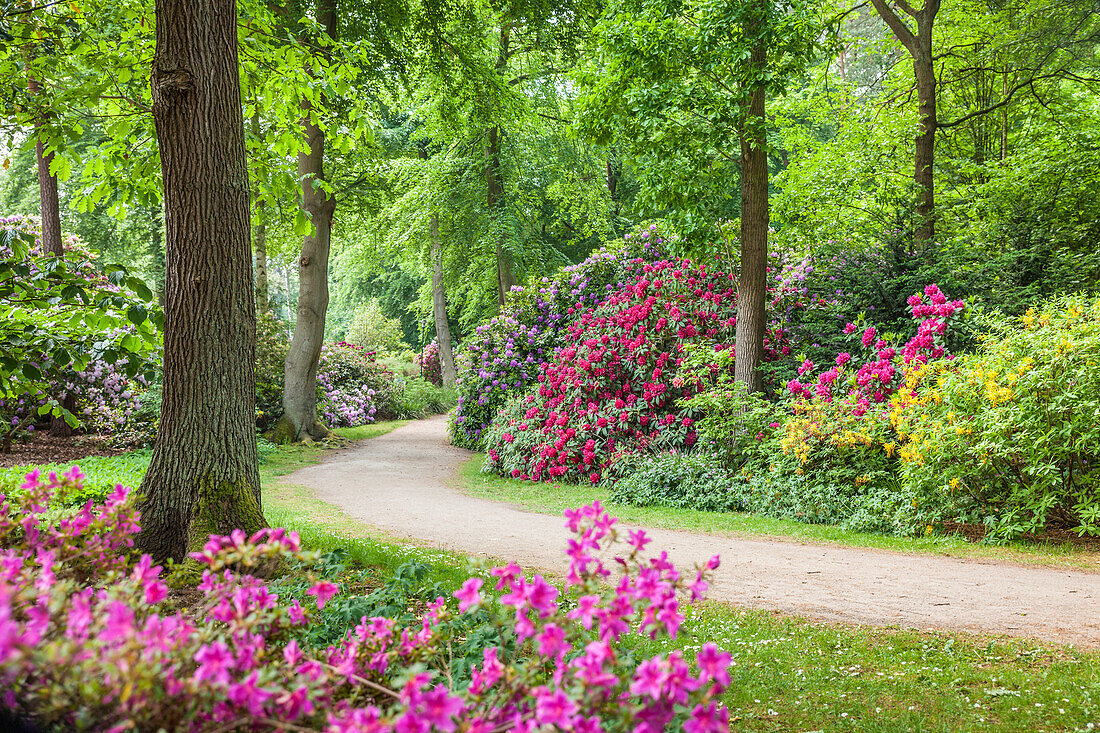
(398,483)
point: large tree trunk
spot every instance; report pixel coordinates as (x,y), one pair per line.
(299,421)
(494,199)
(259,239)
(752,284)
(204,476)
(439,307)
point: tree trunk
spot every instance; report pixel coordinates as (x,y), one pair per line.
(50,238)
(439,307)
(494,184)
(299,421)
(924,153)
(494,198)
(752,284)
(203,477)
(50,207)
(259,239)
(919,46)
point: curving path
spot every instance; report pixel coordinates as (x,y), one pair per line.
(400,483)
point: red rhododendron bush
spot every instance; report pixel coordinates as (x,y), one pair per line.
(616,388)
(91,639)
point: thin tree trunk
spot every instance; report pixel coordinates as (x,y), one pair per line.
(50,206)
(259,239)
(752,284)
(494,199)
(494,184)
(299,421)
(50,238)
(924,154)
(203,477)
(439,307)
(919,45)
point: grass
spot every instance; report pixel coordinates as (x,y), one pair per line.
(101,472)
(555,498)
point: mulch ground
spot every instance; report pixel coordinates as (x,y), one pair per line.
(43,448)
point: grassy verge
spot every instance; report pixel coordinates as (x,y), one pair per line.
(555,498)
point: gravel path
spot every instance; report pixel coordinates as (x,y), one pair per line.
(401,483)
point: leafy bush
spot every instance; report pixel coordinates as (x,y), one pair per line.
(70,333)
(829,453)
(615,389)
(1010,435)
(674,479)
(353,389)
(417,398)
(90,639)
(371,330)
(272,345)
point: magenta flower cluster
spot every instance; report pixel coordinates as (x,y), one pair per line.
(506,354)
(87,635)
(883,368)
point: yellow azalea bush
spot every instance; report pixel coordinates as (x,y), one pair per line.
(1010,435)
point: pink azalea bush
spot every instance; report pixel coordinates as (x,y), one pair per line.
(89,638)
(616,387)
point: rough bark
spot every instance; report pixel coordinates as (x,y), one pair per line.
(299,421)
(203,477)
(752,283)
(259,239)
(919,46)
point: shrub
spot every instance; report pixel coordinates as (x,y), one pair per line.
(353,389)
(272,345)
(829,453)
(675,479)
(1009,435)
(371,330)
(76,342)
(504,356)
(615,389)
(89,639)
(430,365)
(417,398)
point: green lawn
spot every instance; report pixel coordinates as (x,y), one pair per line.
(555,498)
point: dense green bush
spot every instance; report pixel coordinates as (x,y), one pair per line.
(373,331)
(675,479)
(272,344)
(1010,435)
